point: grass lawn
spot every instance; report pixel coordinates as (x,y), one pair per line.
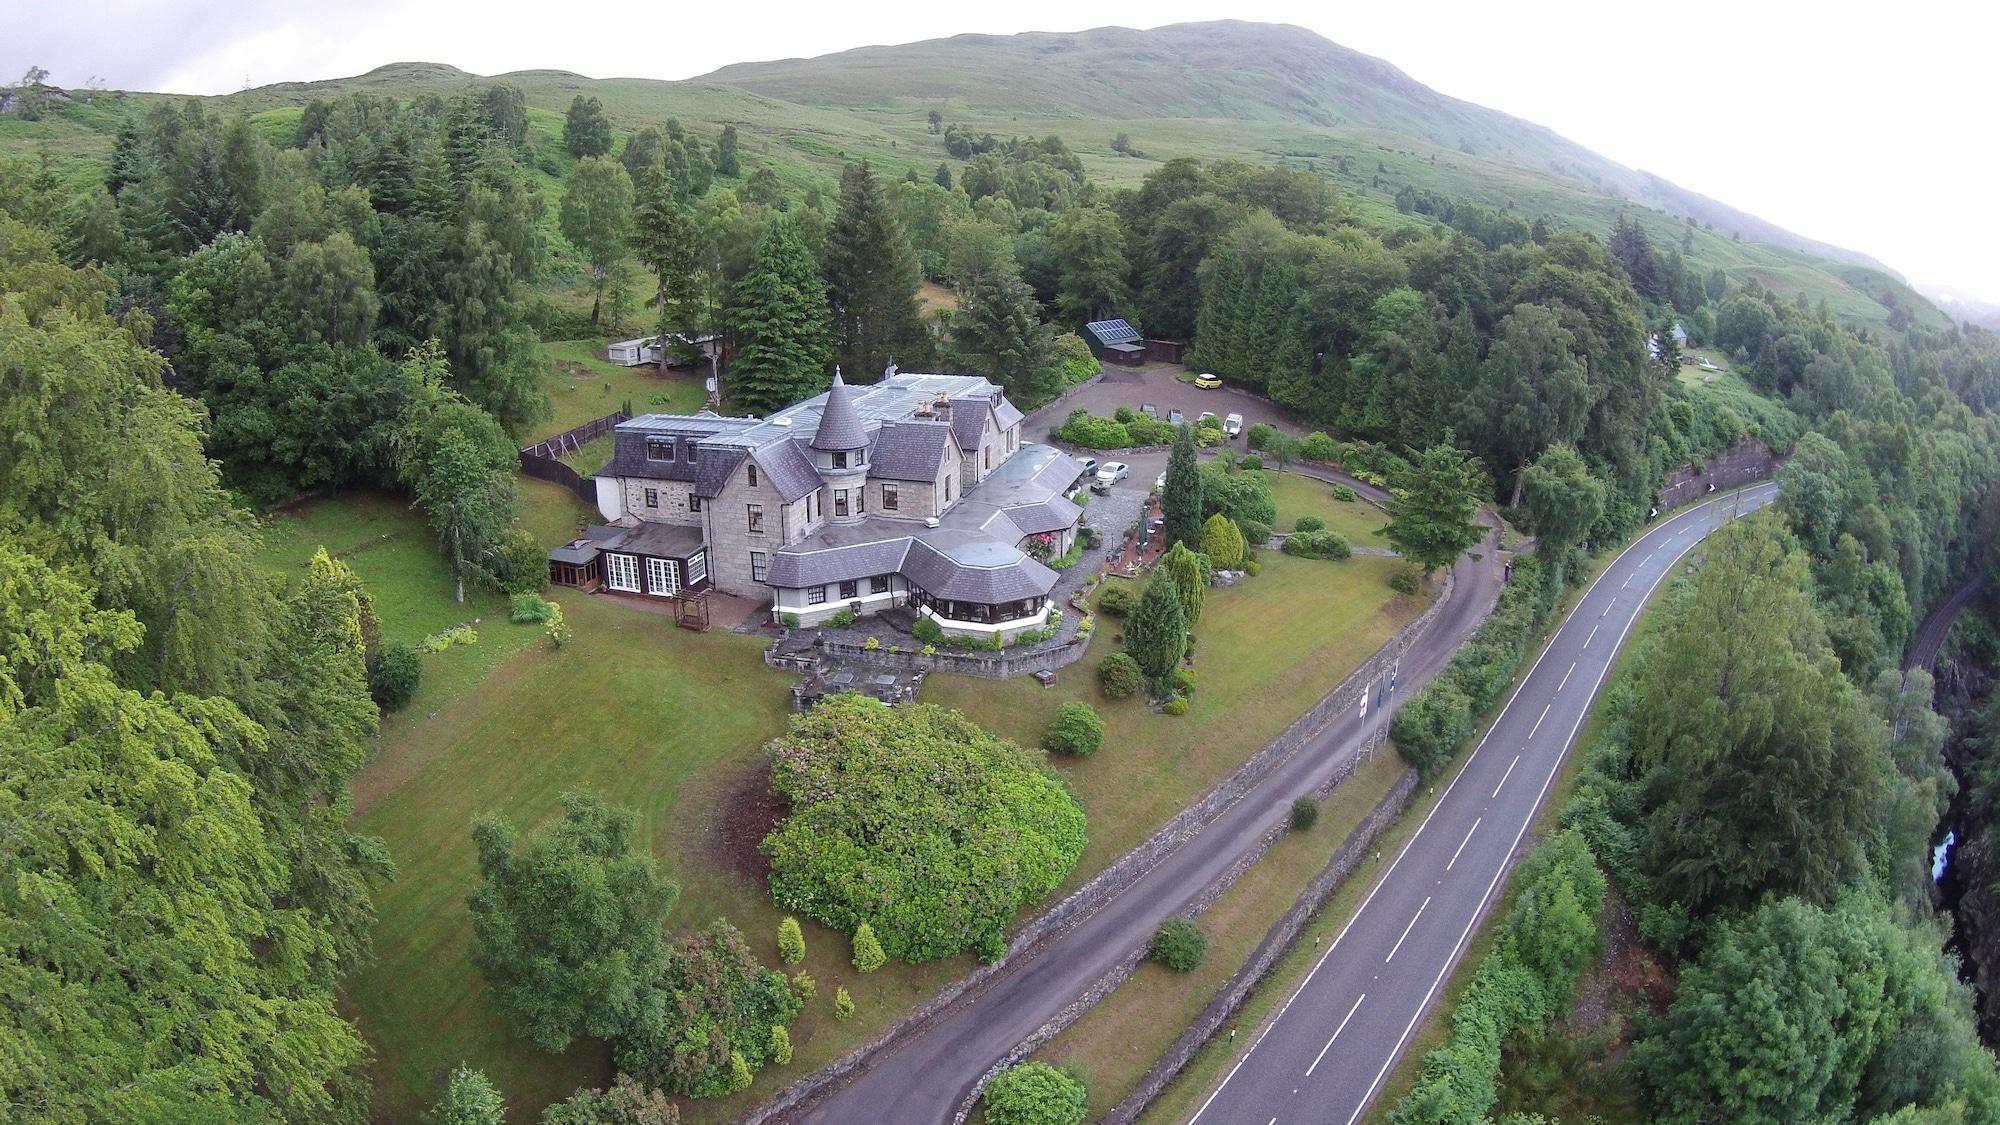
(1267,650)
(1116,1042)
(591,456)
(391,547)
(1298,495)
(582,386)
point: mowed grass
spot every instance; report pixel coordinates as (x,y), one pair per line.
(1297,495)
(582,386)
(392,549)
(1118,1041)
(1267,650)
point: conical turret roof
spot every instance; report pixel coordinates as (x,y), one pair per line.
(840,425)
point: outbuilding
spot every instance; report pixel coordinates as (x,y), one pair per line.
(1115,341)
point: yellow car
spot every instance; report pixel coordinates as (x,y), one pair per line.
(1207,381)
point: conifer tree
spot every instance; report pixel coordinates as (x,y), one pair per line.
(586,131)
(1190,580)
(1156,632)
(726,161)
(998,332)
(779,317)
(1180,504)
(872,275)
(868,953)
(1222,542)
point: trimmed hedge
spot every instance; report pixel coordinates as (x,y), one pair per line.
(1318,545)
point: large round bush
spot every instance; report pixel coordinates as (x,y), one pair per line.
(393,678)
(917,821)
(1035,1093)
(1117,598)
(1076,730)
(1120,677)
(1179,945)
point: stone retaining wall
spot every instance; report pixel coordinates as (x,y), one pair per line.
(1750,461)
(1122,873)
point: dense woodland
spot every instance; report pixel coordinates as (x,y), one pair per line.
(230,318)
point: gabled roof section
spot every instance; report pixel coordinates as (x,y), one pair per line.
(840,425)
(1006,415)
(968,420)
(789,469)
(714,469)
(909,450)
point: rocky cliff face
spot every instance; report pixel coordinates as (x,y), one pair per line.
(1971,884)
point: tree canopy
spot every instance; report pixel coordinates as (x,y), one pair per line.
(916,821)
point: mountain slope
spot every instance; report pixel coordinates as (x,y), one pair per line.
(1261,92)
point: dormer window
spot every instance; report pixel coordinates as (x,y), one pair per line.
(692,449)
(661,449)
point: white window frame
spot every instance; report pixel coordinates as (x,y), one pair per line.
(697,566)
(621,573)
(663,578)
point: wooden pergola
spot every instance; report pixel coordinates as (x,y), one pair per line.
(691,609)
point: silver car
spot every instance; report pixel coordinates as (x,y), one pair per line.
(1112,472)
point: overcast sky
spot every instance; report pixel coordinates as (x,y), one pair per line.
(1867,126)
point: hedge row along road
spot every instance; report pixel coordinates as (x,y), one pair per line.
(921,1079)
(1324,1055)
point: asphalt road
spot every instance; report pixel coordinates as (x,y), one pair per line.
(922,1080)
(1325,1054)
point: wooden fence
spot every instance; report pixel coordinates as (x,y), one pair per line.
(542,460)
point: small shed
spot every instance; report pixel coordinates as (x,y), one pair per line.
(1115,341)
(1165,351)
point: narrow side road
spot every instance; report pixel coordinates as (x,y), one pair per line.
(922,1080)
(1323,1057)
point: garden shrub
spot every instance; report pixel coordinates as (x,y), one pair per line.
(1260,435)
(1179,944)
(791,941)
(1429,727)
(1072,357)
(1182,681)
(529,608)
(789,620)
(868,955)
(781,1045)
(861,782)
(804,986)
(716,1029)
(928,631)
(843,1004)
(1035,1093)
(1256,533)
(1076,731)
(1125,415)
(393,678)
(1318,545)
(1177,706)
(1316,447)
(1250,463)
(1345,493)
(520,565)
(1251,567)
(842,619)
(1119,676)
(1406,579)
(1308,523)
(1305,813)
(1222,542)
(1084,429)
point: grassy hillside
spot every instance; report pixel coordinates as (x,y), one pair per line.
(1261,92)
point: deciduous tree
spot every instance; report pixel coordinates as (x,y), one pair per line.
(597,219)
(1430,517)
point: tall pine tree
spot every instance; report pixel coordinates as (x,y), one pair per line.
(1180,503)
(871,274)
(998,332)
(778,315)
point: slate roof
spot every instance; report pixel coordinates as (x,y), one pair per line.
(968,421)
(1007,414)
(789,469)
(714,469)
(1053,514)
(908,450)
(628,459)
(839,423)
(840,558)
(968,567)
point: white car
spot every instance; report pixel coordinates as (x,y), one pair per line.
(1112,472)
(1160,482)
(1232,425)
